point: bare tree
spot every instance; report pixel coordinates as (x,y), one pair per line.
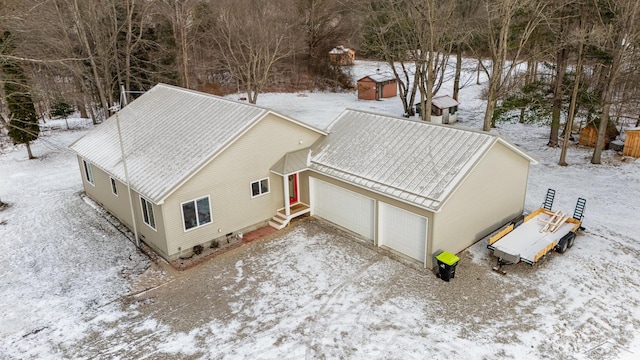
(435,42)
(464,25)
(79,15)
(412,37)
(618,33)
(389,36)
(580,35)
(562,23)
(506,43)
(251,40)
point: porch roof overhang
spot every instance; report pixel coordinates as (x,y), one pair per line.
(292,162)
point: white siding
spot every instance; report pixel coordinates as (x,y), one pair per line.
(342,207)
(227,181)
(402,231)
(491,195)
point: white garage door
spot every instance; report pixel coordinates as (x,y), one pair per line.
(403,231)
(342,207)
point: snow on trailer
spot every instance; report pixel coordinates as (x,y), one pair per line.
(540,232)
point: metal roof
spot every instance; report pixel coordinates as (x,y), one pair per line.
(444,101)
(168,134)
(380,77)
(415,162)
(292,162)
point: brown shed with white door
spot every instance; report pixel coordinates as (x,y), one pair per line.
(377,86)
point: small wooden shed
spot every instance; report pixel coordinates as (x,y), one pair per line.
(444,110)
(632,143)
(341,56)
(377,86)
(589,135)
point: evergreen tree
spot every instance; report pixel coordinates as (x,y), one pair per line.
(23,121)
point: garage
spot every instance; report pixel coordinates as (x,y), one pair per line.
(402,231)
(342,207)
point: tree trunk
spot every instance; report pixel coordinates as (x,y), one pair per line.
(572,108)
(492,97)
(81,107)
(488,115)
(128,49)
(3,122)
(94,68)
(29,151)
(561,57)
(456,79)
(607,95)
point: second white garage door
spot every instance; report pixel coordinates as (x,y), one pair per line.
(402,231)
(342,207)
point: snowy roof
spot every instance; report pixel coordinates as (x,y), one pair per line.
(415,162)
(444,102)
(633,129)
(339,50)
(168,134)
(380,77)
(292,162)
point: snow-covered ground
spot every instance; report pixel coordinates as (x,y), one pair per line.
(67,273)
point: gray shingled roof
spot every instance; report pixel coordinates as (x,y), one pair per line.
(411,161)
(168,134)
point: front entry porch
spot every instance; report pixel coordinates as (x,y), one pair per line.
(289,167)
(281,219)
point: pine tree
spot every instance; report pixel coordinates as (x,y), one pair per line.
(23,121)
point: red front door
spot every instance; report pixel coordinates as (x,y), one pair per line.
(293,188)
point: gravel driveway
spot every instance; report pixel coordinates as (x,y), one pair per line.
(312,291)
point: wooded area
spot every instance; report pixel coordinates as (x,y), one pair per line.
(546,61)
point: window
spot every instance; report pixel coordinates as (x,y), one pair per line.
(114,189)
(260,187)
(453,110)
(147,213)
(196,213)
(88,172)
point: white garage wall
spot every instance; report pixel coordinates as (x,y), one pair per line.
(489,197)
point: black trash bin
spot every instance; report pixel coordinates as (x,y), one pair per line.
(447,265)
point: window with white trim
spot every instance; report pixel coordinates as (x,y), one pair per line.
(260,187)
(147,213)
(114,188)
(88,172)
(196,213)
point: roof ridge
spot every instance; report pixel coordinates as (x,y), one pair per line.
(206,94)
(422,123)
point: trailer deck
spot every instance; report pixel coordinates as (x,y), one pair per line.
(541,232)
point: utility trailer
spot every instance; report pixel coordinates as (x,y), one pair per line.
(537,234)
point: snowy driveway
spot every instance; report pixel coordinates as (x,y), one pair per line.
(70,283)
(315,292)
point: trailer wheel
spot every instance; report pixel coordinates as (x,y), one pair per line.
(572,237)
(562,246)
